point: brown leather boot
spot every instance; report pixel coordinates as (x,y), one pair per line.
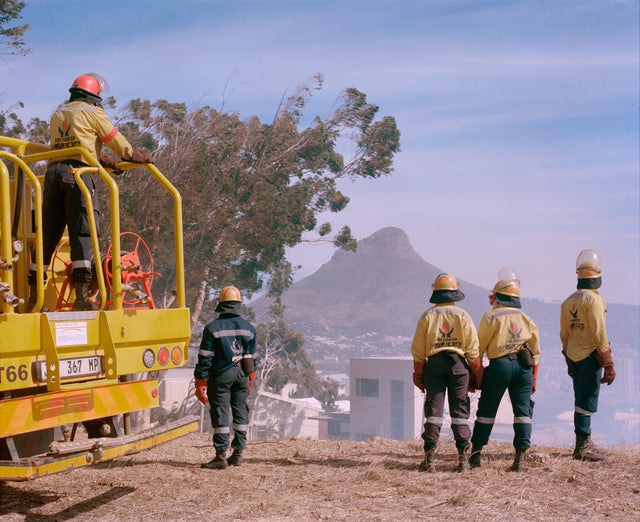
(428,463)
(82,302)
(475,459)
(219,462)
(236,458)
(518,461)
(463,459)
(587,450)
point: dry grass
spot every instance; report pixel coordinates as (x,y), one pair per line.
(310,480)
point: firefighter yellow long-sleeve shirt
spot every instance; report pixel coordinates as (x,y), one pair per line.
(445,327)
(504,330)
(81,124)
(582,325)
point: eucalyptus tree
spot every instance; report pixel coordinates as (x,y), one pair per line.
(250,189)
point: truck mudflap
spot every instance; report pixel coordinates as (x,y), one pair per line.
(69,455)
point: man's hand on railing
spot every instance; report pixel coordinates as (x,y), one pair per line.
(141,156)
(110,163)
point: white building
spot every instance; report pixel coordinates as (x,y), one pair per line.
(278,416)
(384,401)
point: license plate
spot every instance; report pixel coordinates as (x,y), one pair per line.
(73,367)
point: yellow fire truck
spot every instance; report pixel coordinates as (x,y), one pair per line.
(61,369)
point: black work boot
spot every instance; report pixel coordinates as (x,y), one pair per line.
(518,461)
(586,450)
(219,462)
(236,458)
(82,302)
(475,460)
(428,463)
(463,459)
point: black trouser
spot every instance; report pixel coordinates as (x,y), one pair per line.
(227,395)
(64,205)
(502,374)
(446,372)
(586,375)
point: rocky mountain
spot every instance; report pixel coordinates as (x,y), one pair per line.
(381,288)
(368,302)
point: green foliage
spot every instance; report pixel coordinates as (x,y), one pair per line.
(11,36)
(250,188)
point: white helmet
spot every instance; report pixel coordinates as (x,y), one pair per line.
(588,264)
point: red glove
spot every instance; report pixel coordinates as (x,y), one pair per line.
(535,377)
(476,372)
(141,156)
(252,375)
(201,391)
(418,375)
(605,360)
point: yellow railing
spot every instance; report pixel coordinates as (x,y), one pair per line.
(39,153)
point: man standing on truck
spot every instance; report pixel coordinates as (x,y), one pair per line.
(224,376)
(81,122)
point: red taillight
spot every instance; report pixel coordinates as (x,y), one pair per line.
(176,355)
(163,355)
(154,393)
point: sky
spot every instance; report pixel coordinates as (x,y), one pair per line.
(519,121)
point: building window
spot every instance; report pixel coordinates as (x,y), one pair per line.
(366,387)
(397,410)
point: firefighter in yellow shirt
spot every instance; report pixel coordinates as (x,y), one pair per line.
(81,122)
(586,350)
(445,352)
(511,341)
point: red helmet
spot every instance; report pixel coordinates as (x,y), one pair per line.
(91,83)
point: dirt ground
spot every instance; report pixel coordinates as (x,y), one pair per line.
(325,480)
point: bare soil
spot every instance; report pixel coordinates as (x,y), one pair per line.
(325,480)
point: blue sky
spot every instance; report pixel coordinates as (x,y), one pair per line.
(519,120)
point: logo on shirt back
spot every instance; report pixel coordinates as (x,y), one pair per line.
(236,348)
(64,129)
(574,312)
(514,332)
(575,323)
(446,330)
(64,141)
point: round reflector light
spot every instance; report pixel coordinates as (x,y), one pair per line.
(149,358)
(163,355)
(176,355)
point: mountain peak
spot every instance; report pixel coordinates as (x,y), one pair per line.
(388,241)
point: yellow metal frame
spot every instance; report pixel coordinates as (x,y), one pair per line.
(48,410)
(43,153)
(100,451)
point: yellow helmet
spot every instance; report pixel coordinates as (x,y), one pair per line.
(445,282)
(508,282)
(229,293)
(588,264)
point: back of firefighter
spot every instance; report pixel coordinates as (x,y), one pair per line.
(511,341)
(444,347)
(586,350)
(81,122)
(225,370)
